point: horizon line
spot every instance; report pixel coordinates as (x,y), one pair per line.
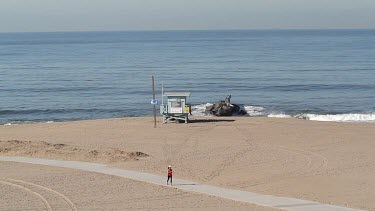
(166,30)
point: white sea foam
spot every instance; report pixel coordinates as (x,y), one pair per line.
(23,122)
(200,110)
(252,111)
(339,117)
(255,110)
(279,115)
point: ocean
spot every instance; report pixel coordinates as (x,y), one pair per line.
(325,75)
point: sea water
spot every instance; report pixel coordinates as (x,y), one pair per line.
(326,75)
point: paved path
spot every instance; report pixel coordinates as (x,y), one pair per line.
(237,195)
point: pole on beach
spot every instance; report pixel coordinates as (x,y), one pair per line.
(162,93)
(153,97)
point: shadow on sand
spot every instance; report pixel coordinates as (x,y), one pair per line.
(184,184)
(210,120)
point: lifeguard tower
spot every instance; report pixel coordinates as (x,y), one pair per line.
(176,107)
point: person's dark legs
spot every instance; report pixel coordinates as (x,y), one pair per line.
(171,180)
(169,177)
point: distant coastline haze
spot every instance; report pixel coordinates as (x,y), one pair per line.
(118,15)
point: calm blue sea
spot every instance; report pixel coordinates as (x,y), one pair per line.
(326,75)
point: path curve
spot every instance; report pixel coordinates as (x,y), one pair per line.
(236,195)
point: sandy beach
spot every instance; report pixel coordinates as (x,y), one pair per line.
(65,189)
(328,162)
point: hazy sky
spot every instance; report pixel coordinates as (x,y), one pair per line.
(97,15)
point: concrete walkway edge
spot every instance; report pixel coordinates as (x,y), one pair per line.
(236,195)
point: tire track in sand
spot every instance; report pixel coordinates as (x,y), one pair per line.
(66,199)
(314,161)
(312,156)
(45,202)
(169,150)
(228,162)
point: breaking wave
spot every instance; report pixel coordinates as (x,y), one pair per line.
(254,111)
(23,122)
(281,115)
(338,117)
(198,110)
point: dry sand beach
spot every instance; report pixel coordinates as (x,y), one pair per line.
(328,162)
(65,189)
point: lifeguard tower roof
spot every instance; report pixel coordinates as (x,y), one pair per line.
(177,94)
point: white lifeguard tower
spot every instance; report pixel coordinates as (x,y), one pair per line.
(176,107)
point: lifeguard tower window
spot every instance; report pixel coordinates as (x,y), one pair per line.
(176,104)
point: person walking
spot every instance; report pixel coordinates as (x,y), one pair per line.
(169,174)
